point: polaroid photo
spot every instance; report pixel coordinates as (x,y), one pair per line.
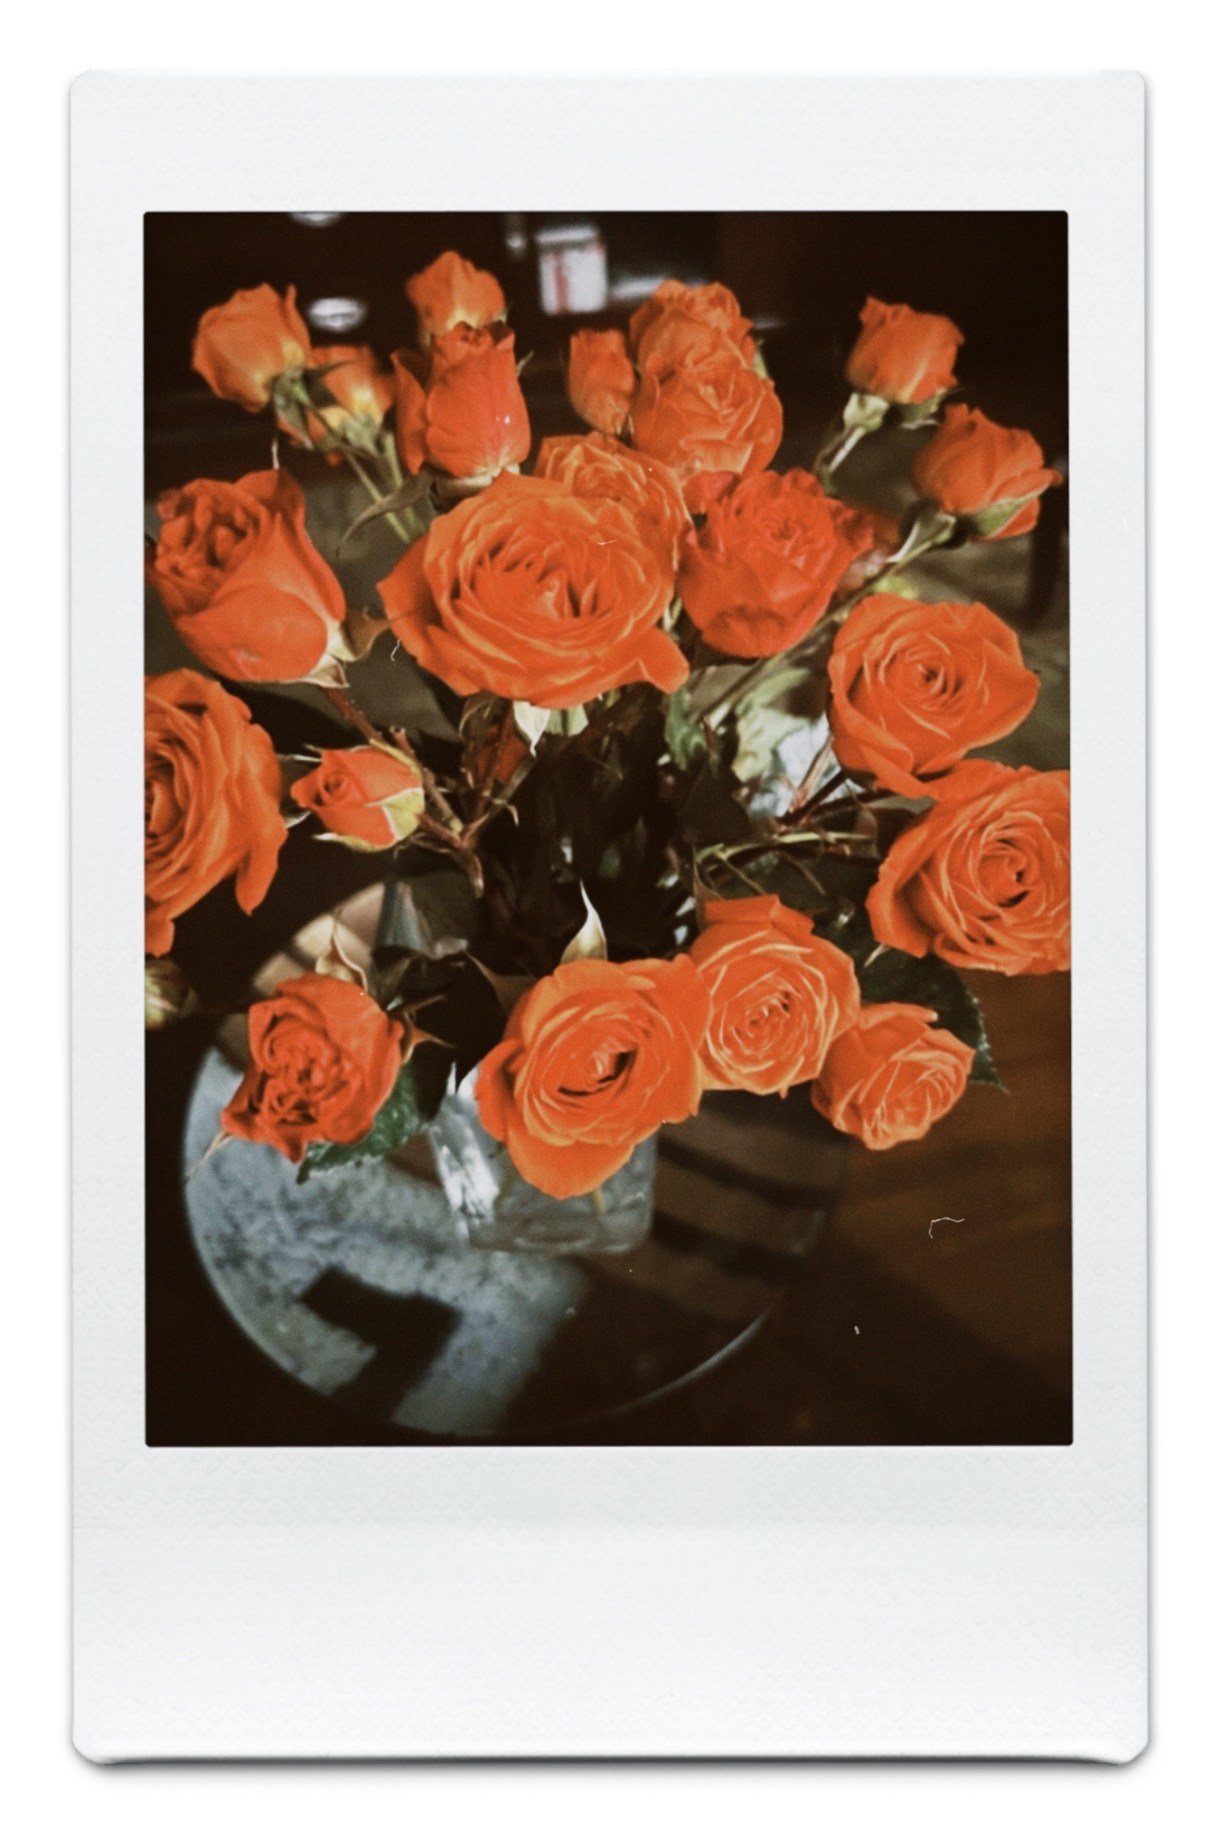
(621,1232)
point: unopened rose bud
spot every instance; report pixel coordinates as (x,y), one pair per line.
(370,797)
(168,994)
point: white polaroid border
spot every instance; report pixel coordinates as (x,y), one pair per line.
(612,1601)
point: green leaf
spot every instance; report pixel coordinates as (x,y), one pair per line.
(413,1103)
(888,976)
(684,733)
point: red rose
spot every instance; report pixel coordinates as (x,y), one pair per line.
(889,1078)
(903,355)
(987,474)
(676,316)
(705,412)
(914,686)
(983,878)
(244,345)
(779,994)
(603,469)
(531,592)
(243,584)
(453,291)
(211,801)
(766,562)
(601,378)
(595,1058)
(462,410)
(323,1061)
(369,797)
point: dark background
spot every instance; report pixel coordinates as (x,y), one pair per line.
(1001,276)
(895,1335)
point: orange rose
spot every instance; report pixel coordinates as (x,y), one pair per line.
(903,355)
(241,347)
(779,995)
(601,378)
(243,584)
(603,469)
(766,562)
(531,592)
(705,412)
(463,410)
(323,1061)
(369,797)
(990,475)
(453,291)
(982,879)
(677,316)
(889,1079)
(211,801)
(363,395)
(914,686)
(595,1058)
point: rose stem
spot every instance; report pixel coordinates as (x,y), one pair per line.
(375,493)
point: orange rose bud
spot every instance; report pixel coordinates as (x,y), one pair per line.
(601,378)
(595,1058)
(243,346)
(211,801)
(453,291)
(766,562)
(363,395)
(241,581)
(705,412)
(531,592)
(323,1061)
(914,686)
(779,995)
(368,797)
(902,355)
(989,475)
(983,878)
(462,411)
(678,316)
(602,469)
(888,1079)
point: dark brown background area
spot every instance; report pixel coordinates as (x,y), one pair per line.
(901,1332)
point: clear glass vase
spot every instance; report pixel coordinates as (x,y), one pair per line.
(495,1207)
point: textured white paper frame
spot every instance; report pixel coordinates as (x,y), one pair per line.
(611,1601)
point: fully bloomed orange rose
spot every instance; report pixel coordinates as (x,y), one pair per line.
(766,562)
(461,409)
(889,1078)
(243,584)
(601,378)
(323,1061)
(244,345)
(363,395)
(453,291)
(983,878)
(914,686)
(369,797)
(779,995)
(704,411)
(532,592)
(603,469)
(989,475)
(903,355)
(677,316)
(596,1057)
(211,801)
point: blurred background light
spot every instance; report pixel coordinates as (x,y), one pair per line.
(336,314)
(317,219)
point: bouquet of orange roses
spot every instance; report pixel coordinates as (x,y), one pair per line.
(694,807)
